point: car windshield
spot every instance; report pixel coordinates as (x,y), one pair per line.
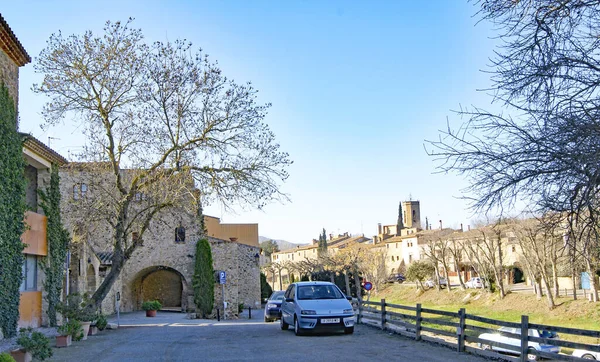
(277,296)
(546,334)
(318,292)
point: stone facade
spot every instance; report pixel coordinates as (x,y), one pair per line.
(159,269)
(9,74)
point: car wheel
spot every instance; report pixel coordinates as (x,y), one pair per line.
(348,330)
(267,320)
(485,347)
(297,329)
(284,326)
(530,356)
(588,356)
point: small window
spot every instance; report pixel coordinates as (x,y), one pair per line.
(29,273)
(84,189)
(79,191)
(514,249)
(76,192)
(180,234)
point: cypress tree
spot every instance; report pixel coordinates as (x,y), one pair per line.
(203,279)
(12,209)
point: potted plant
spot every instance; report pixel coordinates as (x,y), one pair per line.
(79,308)
(33,344)
(68,332)
(151,306)
(5,357)
(101,321)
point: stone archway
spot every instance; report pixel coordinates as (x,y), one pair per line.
(515,274)
(164,284)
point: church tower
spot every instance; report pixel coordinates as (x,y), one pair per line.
(412,214)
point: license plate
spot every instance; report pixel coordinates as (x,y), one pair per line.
(330,320)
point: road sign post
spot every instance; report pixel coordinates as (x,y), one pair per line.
(222,281)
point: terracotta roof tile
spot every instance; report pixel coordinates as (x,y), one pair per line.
(11,45)
(39,147)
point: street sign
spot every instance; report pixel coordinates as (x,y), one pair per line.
(368,286)
(222,277)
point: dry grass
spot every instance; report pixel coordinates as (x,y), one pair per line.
(575,314)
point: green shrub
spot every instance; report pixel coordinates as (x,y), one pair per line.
(151,305)
(203,280)
(71,328)
(5,357)
(35,343)
(240,307)
(77,307)
(101,321)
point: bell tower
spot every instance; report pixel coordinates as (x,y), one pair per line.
(412,214)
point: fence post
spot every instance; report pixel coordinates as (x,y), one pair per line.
(360,312)
(383,314)
(418,323)
(460,331)
(524,337)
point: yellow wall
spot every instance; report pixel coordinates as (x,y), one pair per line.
(245,233)
(35,234)
(30,309)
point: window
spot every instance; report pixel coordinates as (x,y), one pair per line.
(180,234)
(514,249)
(396,245)
(29,273)
(79,191)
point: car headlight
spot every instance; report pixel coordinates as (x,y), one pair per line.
(348,311)
(271,305)
(313,312)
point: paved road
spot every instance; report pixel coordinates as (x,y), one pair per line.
(171,337)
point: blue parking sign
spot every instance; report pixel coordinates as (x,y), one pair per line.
(222,277)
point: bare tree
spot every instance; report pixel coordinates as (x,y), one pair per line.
(167,113)
(455,248)
(543,147)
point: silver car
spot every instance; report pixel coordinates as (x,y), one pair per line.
(516,341)
(582,353)
(316,306)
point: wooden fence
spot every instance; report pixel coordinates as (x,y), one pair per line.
(462,330)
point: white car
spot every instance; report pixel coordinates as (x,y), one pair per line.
(582,353)
(316,306)
(431,283)
(475,282)
(516,341)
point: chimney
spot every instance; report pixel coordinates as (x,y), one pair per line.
(461,227)
(379,228)
(468,227)
(330,236)
(440,224)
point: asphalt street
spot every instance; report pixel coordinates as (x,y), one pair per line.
(172,337)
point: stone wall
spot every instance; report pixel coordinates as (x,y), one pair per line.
(159,252)
(9,74)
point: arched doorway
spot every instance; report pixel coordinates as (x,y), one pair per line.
(164,284)
(90,287)
(515,274)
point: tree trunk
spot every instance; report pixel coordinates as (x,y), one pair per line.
(548,292)
(347,280)
(358,286)
(460,279)
(555,278)
(540,295)
(332,277)
(280,281)
(573,273)
(447,280)
(107,283)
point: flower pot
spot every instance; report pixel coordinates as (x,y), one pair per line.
(150,313)
(93,331)
(85,326)
(20,355)
(63,341)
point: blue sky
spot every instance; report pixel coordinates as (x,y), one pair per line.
(356,88)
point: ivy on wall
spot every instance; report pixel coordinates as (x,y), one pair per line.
(58,244)
(12,209)
(203,279)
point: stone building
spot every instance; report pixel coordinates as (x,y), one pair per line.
(12,56)
(162,267)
